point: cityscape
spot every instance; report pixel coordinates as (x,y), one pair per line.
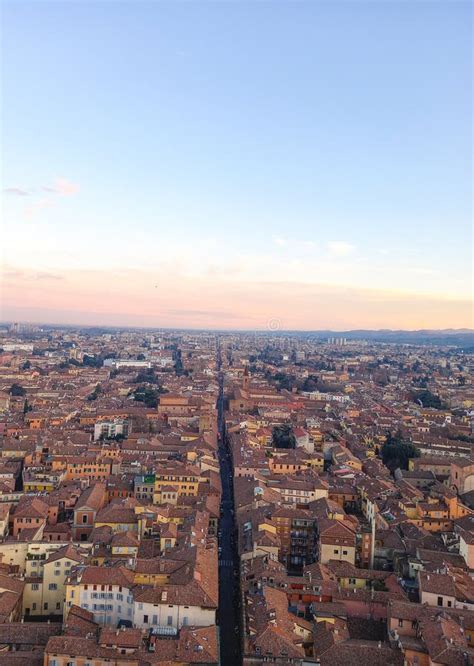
(236,333)
(193,497)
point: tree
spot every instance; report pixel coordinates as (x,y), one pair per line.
(95,393)
(428,399)
(147,395)
(283,381)
(146,376)
(310,384)
(396,452)
(92,361)
(17,390)
(283,437)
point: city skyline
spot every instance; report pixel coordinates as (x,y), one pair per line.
(237,166)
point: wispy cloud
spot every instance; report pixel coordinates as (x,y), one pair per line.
(60,187)
(341,248)
(28,275)
(38,205)
(17,191)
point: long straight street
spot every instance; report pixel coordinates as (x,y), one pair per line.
(229,581)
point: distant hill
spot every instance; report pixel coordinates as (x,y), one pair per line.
(463,337)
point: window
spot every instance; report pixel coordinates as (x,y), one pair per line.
(336,551)
(145,619)
(84,518)
(46,606)
(344,552)
(52,586)
(440,601)
(35,586)
(400,622)
(170,620)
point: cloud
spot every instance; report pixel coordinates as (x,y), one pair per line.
(18,191)
(45,202)
(340,248)
(28,275)
(63,187)
(44,275)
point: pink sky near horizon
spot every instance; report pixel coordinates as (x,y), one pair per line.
(143,298)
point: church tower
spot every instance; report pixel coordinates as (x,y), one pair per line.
(246,380)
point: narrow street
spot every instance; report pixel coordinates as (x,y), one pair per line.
(229,581)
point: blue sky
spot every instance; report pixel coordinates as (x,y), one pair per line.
(329,142)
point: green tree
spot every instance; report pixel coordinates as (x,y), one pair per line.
(149,396)
(283,437)
(428,399)
(396,452)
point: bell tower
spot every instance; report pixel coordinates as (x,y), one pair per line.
(246,380)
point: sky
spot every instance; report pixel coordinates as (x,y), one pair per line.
(230,164)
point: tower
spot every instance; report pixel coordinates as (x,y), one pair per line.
(246,379)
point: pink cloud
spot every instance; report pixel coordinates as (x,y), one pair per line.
(63,187)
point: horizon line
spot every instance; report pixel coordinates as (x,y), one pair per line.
(269,331)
